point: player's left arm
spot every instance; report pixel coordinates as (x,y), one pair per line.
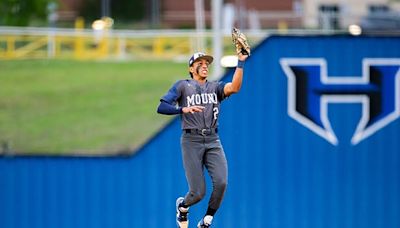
(236,84)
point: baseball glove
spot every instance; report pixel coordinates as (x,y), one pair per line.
(240,41)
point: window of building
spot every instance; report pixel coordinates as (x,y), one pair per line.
(329,16)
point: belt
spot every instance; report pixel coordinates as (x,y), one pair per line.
(203,132)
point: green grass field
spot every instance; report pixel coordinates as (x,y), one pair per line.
(74,107)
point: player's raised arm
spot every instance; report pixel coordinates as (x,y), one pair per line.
(236,84)
(243,52)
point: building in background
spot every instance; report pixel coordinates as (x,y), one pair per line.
(250,14)
(253,14)
(335,14)
(69,9)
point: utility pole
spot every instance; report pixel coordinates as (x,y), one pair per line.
(105,8)
(155,13)
(217,37)
(200,25)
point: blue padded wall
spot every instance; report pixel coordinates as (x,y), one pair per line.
(281,173)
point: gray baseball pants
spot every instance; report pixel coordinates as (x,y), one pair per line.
(199,152)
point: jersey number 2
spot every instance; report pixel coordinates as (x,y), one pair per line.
(216,111)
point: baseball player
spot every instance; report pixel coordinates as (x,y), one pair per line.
(198,100)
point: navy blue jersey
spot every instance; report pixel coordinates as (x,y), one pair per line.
(186,93)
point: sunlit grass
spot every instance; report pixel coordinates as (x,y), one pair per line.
(63,107)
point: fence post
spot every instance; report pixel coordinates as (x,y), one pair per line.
(121,46)
(158,46)
(79,45)
(10,52)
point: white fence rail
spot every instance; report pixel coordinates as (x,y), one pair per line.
(33,42)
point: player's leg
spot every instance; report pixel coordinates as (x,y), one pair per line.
(216,164)
(192,153)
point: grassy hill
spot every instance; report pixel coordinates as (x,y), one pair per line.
(73,107)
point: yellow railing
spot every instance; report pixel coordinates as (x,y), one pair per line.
(85,47)
(14,47)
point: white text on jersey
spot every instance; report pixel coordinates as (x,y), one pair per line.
(199,99)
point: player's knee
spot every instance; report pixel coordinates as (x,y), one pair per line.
(220,185)
(197,196)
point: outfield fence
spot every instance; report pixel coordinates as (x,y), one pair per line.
(31,43)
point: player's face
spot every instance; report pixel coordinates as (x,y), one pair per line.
(200,68)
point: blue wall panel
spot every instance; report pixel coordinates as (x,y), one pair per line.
(281,174)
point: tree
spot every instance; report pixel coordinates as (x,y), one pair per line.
(22,12)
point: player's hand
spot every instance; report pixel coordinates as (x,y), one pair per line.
(242,57)
(192,109)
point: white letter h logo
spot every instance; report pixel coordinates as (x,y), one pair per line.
(310,90)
